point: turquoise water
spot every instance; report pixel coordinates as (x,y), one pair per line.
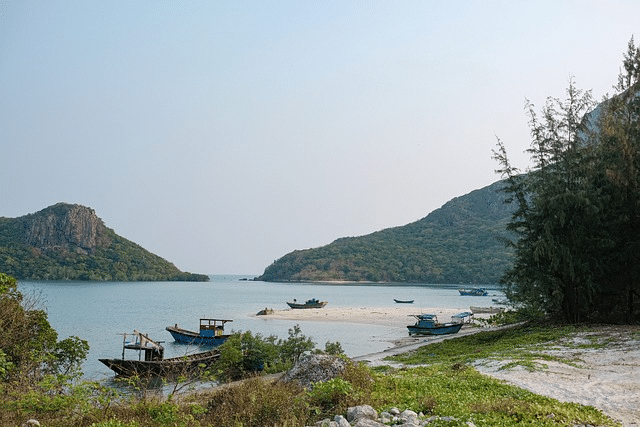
(98,312)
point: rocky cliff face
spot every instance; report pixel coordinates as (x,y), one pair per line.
(65,227)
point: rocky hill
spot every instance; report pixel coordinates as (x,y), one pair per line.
(461,242)
(70,242)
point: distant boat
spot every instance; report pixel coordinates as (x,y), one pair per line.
(312,303)
(476,292)
(403,301)
(154,364)
(427,324)
(211,333)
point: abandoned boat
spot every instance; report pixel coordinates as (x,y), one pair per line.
(153,362)
(211,333)
(427,324)
(312,303)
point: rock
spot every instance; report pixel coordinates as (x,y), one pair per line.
(315,368)
(408,418)
(356,413)
(341,421)
(65,227)
(265,312)
(32,423)
(365,422)
(326,423)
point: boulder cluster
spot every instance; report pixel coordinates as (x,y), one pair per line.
(366,416)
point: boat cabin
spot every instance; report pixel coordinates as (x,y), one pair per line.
(143,344)
(212,327)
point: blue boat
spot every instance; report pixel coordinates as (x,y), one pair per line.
(427,324)
(211,333)
(475,292)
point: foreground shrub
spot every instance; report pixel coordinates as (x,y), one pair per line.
(257,403)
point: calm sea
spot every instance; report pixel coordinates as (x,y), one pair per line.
(99,311)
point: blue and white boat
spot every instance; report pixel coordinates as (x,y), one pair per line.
(427,324)
(211,333)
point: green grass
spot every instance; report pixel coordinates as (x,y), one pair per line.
(465,394)
(523,345)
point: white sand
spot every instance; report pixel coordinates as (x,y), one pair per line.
(607,379)
(399,315)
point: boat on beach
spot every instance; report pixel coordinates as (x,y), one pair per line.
(403,301)
(475,292)
(427,324)
(312,303)
(211,333)
(151,361)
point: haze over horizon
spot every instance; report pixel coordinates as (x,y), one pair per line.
(223,135)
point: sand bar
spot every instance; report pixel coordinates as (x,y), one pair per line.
(395,316)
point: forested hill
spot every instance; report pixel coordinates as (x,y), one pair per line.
(457,243)
(70,242)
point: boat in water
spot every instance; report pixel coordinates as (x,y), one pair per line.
(427,324)
(475,292)
(312,303)
(403,301)
(211,333)
(151,361)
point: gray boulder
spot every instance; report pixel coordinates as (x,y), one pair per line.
(315,368)
(356,413)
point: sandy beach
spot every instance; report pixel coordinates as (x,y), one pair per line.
(607,378)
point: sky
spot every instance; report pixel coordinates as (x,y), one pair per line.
(222,135)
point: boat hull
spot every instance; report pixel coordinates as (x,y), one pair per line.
(174,366)
(184,336)
(300,306)
(447,328)
(473,292)
(400,301)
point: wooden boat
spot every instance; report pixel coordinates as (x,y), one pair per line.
(476,292)
(486,310)
(403,301)
(154,364)
(427,324)
(211,333)
(312,303)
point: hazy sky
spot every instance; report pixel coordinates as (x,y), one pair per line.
(222,135)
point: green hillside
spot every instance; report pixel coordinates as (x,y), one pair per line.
(457,243)
(69,242)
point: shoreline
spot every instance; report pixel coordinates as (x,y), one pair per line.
(607,378)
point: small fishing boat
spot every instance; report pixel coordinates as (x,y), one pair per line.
(403,301)
(312,303)
(427,324)
(475,292)
(464,317)
(154,364)
(211,333)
